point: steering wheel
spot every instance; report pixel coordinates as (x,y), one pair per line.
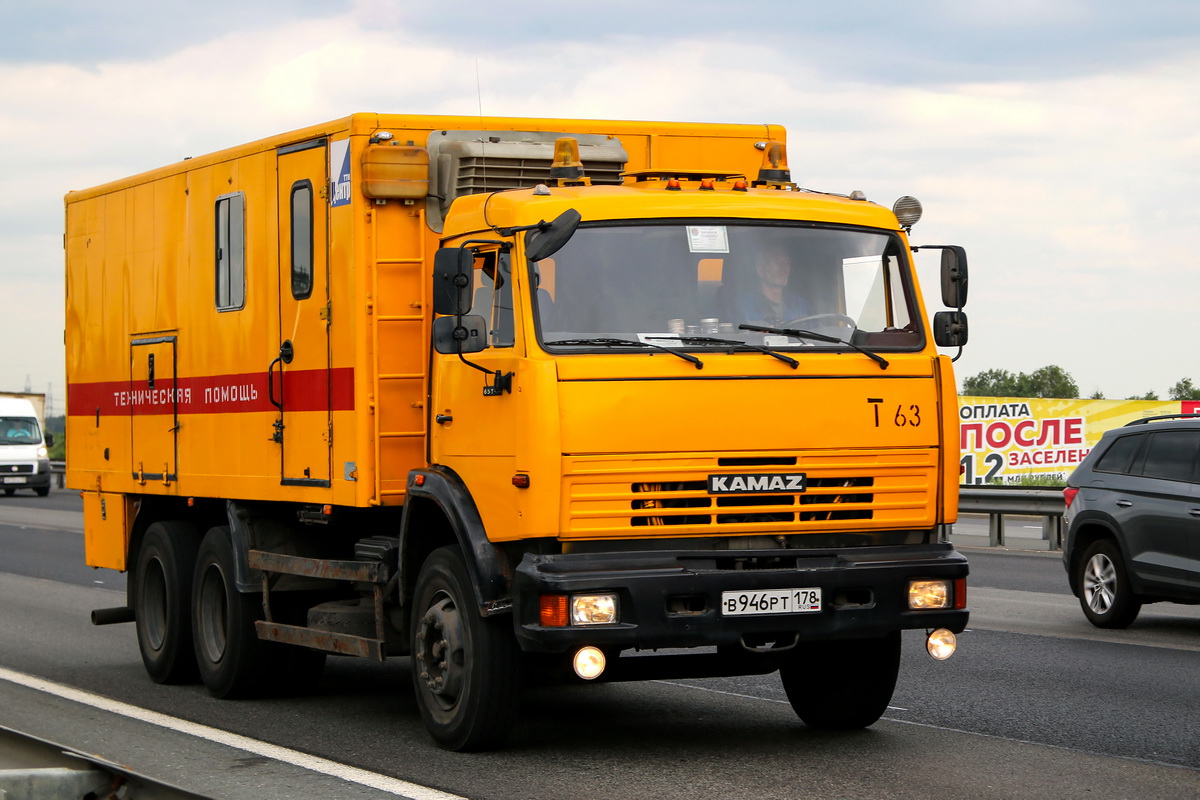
(799,322)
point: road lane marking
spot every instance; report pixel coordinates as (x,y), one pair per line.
(324,766)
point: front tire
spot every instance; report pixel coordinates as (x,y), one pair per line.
(162,600)
(1105,594)
(842,685)
(464,665)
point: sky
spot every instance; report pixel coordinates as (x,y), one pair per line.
(1058,141)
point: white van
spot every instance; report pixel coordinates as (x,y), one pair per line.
(23,460)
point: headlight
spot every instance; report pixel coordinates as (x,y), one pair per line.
(928,594)
(593,609)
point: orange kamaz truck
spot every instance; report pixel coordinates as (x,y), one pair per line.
(523,400)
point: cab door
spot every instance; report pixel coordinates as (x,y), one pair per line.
(299,379)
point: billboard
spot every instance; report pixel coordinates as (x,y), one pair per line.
(1004,439)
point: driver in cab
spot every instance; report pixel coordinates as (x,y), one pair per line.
(765,301)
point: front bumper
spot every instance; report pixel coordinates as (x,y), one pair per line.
(673,598)
(34,475)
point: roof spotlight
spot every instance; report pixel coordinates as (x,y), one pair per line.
(908,211)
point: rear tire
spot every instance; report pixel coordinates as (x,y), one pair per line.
(162,600)
(465,666)
(1105,594)
(228,650)
(233,661)
(842,685)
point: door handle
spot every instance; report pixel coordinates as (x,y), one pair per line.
(286,354)
(1195,512)
(271,384)
(1124,503)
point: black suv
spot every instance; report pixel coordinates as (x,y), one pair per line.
(1133,520)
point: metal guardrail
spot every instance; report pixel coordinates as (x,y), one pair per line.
(996,501)
(32,768)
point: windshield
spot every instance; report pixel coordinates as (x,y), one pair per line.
(652,282)
(19,430)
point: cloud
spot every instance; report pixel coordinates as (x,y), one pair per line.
(1070,184)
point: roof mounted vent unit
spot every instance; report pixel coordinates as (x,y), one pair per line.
(477,162)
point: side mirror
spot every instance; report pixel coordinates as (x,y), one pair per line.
(49,437)
(950,328)
(954,276)
(452,277)
(466,334)
(545,242)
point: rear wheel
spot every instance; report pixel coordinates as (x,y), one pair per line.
(1105,594)
(233,661)
(465,666)
(162,600)
(842,685)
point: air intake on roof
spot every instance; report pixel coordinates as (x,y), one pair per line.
(476,162)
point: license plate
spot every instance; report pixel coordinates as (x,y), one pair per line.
(14,480)
(770,601)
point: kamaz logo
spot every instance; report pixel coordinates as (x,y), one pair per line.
(771,482)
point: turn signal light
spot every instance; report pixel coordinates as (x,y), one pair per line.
(552,610)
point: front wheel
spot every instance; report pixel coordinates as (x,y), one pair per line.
(842,685)
(464,665)
(1105,595)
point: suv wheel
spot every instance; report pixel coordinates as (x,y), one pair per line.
(1105,594)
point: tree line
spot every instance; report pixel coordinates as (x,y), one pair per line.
(1054,381)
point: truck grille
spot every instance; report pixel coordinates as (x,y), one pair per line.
(9,469)
(839,498)
(608,497)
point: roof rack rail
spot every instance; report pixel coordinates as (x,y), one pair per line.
(1161,416)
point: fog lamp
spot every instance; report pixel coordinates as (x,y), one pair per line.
(928,594)
(589,662)
(941,644)
(593,609)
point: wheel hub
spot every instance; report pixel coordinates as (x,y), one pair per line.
(439,651)
(1099,583)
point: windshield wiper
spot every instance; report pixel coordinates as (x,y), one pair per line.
(734,346)
(820,337)
(610,342)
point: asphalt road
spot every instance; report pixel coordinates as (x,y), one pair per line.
(1036,704)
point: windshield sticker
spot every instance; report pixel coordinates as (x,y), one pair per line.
(708,239)
(660,339)
(339,172)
